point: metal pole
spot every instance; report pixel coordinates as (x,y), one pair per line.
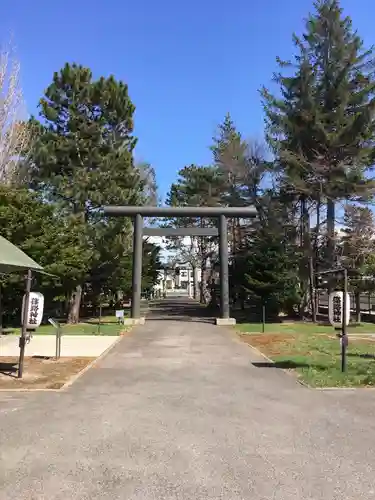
(137,267)
(344,337)
(59,334)
(24,323)
(312,289)
(224,272)
(100,313)
(57,343)
(1,309)
(263,318)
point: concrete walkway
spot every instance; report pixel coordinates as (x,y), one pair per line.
(177,411)
(71,345)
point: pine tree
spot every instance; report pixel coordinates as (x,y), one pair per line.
(83,159)
(322,126)
(241,167)
(358,248)
(196,186)
(269,271)
(42,231)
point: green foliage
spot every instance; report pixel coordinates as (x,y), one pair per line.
(50,239)
(84,150)
(322,126)
(267,270)
(196,186)
(83,159)
(151,265)
(240,164)
(358,247)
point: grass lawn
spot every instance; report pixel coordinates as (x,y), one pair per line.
(108,326)
(313,352)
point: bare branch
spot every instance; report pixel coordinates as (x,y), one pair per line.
(15,135)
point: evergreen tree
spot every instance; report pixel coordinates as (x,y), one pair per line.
(358,248)
(241,167)
(269,271)
(240,164)
(83,159)
(322,126)
(196,186)
(40,230)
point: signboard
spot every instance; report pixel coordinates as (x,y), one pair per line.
(34,310)
(53,323)
(335,308)
(120,316)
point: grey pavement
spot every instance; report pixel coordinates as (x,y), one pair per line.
(177,411)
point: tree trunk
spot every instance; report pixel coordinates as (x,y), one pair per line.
(331,247)
(312,289)
(202,285)
(306,252)
(316,253)
(195,287)
(74,305)
(317,234)
(357,298)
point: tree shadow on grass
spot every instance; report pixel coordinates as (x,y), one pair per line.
(363,356)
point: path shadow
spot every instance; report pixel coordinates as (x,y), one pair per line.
(179,309)
(283,365)
(9,369)
(289,364)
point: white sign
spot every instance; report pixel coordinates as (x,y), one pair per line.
(120,313)
(34,310)
(53,323)
(335,308)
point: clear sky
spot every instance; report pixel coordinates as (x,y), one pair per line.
(186,62)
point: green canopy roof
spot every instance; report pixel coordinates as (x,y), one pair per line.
(13,259)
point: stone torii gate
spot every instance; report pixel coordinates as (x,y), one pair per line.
(221,213)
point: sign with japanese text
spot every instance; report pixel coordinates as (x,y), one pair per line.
(34,310)
(335,308)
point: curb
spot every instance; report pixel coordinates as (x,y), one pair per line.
(301,382)
(73,378)
(90,365)
(271,361)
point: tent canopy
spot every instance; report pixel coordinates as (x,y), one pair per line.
(13,259)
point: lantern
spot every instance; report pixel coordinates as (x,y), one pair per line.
(34,310)
(336,307)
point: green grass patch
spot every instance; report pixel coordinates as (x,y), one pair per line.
(311,352)
(301,327)
(108,326)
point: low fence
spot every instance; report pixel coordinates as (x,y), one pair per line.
(367,303)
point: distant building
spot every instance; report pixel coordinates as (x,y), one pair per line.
(183,279)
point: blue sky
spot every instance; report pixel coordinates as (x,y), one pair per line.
(186,63)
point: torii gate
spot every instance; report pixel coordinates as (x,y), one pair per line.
(221,213)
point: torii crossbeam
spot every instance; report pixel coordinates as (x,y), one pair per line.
(221,213)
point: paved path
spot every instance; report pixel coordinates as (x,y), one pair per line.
(45,345)
(178,412)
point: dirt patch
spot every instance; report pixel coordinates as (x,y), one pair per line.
(362,340)
(40,372)
(270,344)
